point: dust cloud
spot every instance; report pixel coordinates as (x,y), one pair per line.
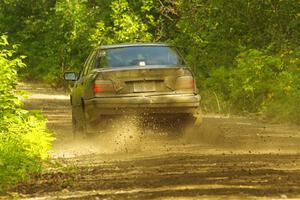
(124,135)
(217,135)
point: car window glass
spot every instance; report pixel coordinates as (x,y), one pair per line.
(149,55)
(82,72)
(88,64)
(101,59)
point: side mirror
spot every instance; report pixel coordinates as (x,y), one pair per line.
(70,76)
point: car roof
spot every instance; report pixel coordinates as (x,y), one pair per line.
(133,45)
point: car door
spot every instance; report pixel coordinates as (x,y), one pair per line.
(80,85)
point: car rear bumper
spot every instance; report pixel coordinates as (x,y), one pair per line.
(174,103)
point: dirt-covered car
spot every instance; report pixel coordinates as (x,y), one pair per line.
(150,81)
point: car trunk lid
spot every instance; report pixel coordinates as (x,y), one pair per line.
(142,79)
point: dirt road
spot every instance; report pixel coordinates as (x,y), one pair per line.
(237,158)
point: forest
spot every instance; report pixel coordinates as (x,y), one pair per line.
(245,54)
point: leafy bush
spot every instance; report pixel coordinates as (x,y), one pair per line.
(284,104)
(24,139)
(261,83)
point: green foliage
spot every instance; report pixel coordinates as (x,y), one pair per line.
(214,33)
(261,83)
(238,49)
(126,26)
(24,140)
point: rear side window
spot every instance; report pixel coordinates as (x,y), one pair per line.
(135,56)
(88,65)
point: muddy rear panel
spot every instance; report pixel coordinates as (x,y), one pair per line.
(144,80)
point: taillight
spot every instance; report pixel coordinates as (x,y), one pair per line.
(185,83)
(103,87)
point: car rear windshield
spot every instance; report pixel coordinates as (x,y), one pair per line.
(140,56)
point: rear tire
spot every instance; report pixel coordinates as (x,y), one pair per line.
(192,127)
(179,126)
(75,128)
(78,124)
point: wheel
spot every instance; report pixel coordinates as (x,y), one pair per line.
(192,126)
(78,124)
(178,126)
(75,128)
(198,116)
